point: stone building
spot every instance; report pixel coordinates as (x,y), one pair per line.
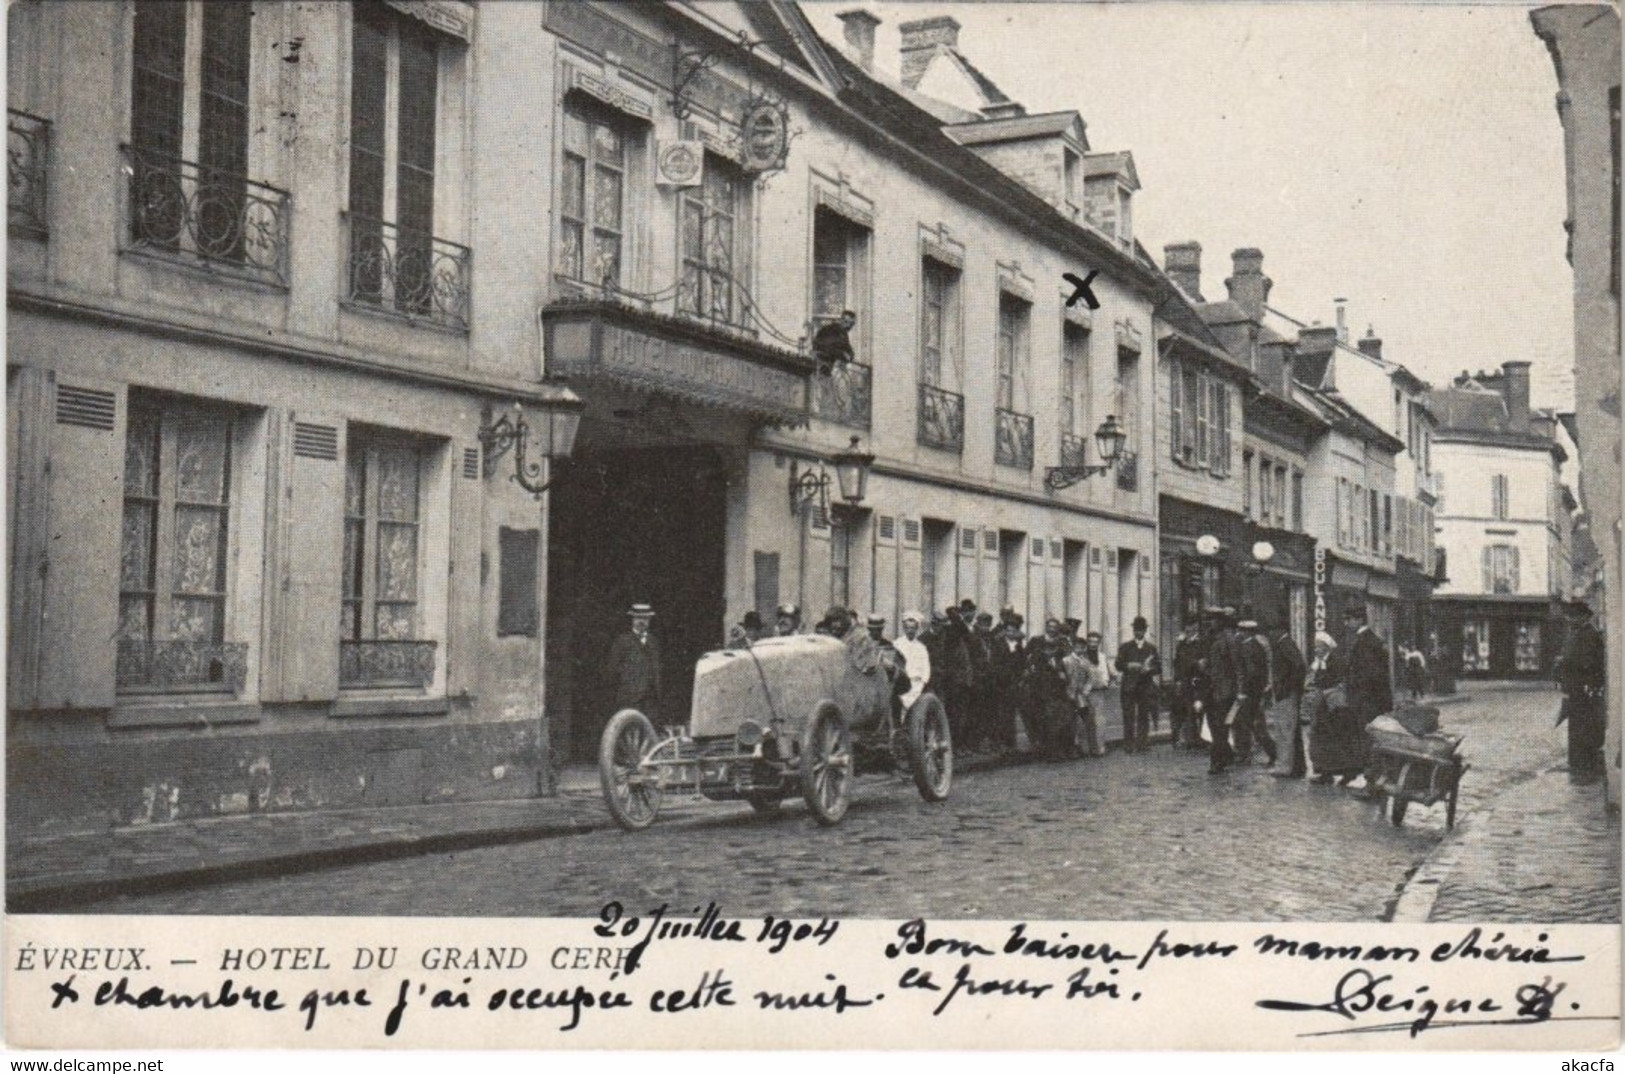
(1503,525)
(256,559)
(1584,43)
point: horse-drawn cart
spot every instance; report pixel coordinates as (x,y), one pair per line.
(782,716)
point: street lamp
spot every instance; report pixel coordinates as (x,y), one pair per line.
(556,424)
(852,468)
(1109,441)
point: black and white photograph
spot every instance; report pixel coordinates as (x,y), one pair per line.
(928,462)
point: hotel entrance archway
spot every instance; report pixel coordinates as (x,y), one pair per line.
(631,525)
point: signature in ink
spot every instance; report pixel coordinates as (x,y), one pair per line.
(1360,992)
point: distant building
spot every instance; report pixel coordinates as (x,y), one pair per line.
(1504,525)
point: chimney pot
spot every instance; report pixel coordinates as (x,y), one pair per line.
(920,34)
(1371,344)
(1248,286)
(1515,387)
(859,26)
(1183,263)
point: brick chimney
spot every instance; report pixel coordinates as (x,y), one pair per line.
(1248,286)
(1516,390)
(860,35)
(1371,344)
(1183,263)
(920,39)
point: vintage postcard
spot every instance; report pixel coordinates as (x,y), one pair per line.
(823,525)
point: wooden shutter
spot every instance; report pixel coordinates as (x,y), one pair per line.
(463,633)
(766,571)
(84,504)
(308,560)
(1176,412)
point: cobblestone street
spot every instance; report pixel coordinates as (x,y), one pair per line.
(1147,836)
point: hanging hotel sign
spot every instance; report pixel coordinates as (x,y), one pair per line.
(680,163)
(764,135)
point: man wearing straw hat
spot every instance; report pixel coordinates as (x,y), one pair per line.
(634,665)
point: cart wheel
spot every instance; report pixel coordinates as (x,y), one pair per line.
(930,748)
(633,796)
(826,764)
(766,804)
(1397,800)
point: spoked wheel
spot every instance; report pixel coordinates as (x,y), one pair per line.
(930,748)
(632,794)
(1396,800)
(826,764)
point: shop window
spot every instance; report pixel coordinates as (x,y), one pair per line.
(174,550)
(715,245)
(1526,646)
(1475,645)
(592,198)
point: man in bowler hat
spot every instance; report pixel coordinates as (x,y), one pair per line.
(634,665)
(1140,666)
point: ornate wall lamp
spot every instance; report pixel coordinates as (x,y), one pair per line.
(556,425)
(851,476)
(1109,440)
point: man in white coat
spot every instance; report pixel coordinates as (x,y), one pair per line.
(917,659)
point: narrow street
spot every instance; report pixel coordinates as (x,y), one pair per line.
(1147,836)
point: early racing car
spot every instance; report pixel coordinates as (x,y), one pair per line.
(800,714)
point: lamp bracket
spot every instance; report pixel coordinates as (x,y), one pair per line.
(505,434)
(807,486)
(1057,478)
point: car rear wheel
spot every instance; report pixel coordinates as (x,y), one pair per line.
(632,792)
(826,764)
(930,748)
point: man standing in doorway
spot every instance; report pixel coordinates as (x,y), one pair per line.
(1140,666)
(634,666)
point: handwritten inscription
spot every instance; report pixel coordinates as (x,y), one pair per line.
(707,964)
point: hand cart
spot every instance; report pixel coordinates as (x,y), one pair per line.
(1415,768)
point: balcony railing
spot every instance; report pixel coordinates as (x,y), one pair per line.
(186,210)
(1074,450)
(1128,472)
(408,272)
(376,664)
(942,419)
(1013,439)
(27,138)
(843,395)
(180,666)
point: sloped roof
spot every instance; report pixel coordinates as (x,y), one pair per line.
(1016,128)
(1120,162)
(918,62)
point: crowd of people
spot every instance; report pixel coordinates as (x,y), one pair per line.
(1237,687)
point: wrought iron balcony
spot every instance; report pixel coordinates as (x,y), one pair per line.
(1013,439)
(942,419)
(186,210)
(27,139)
(180,666)
(377,664)
(1128,472)
(408,272)
(1074,450)
(843,395)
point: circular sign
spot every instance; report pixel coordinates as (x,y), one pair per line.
(1263,551)
(765,137)
(679,163)
(1207,544)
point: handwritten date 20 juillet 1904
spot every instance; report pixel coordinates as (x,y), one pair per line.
(1378,988)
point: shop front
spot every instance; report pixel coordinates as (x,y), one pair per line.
(1506,638)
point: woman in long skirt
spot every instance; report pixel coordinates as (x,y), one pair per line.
(1337,744)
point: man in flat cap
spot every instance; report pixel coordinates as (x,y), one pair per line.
(633,668)
(1141,667)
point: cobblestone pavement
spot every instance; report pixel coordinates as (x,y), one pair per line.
(1148,836)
